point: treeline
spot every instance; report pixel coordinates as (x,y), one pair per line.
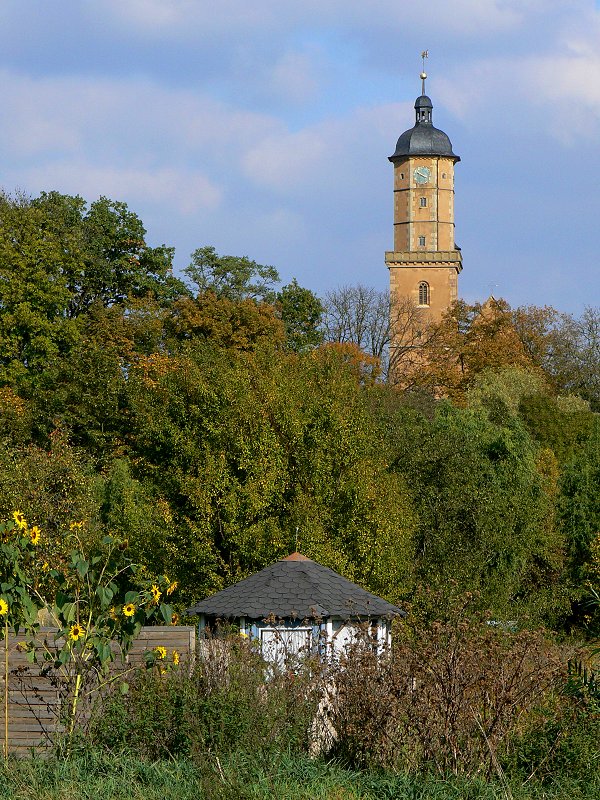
(219,421)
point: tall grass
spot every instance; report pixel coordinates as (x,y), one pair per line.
(101,776)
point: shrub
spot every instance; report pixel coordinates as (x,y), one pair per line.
(448,697)
(225,702)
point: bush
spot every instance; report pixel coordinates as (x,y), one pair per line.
(223,703)
(448,697)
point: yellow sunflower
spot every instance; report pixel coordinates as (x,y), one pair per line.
(171,588)
(175,618)
(35,534)
(19,519)
(3,607)
(129,609)
(156,593)
(176,657)
(161,651)
(76,632)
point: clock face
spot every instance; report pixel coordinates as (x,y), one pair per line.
(422,174)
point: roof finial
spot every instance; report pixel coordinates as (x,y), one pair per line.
(424,55)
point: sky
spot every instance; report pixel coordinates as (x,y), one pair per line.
(263,128)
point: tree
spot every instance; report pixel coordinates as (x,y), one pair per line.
(565,347)
(57,261)
(110,260)
(255,455)
(468,340)
(579,505)
(485,505)
(301,312)
(232,324)
(34,294)
(358,315)
(234,278)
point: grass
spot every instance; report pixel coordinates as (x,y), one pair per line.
(92,776)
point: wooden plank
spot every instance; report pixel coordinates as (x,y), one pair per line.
(34,702)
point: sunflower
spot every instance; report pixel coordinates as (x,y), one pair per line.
(156,593)
(19,519)
(161,651)
(176,657)
(3,607)
(129,609)
(35,534)
(171,588)
(76,632)
(174,618)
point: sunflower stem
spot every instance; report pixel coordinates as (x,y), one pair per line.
(6,688)
(74,711)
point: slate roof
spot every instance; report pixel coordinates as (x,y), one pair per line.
(424,138)
(295,588)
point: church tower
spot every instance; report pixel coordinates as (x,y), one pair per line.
(425,262)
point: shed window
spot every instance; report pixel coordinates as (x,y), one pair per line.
(421,241)
(423,293)
(423,202)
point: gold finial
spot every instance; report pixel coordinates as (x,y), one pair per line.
(424,55)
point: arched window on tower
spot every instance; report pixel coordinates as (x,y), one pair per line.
(423,293)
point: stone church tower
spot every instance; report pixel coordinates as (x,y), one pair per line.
(425,262)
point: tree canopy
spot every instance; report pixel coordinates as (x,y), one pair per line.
(219,424)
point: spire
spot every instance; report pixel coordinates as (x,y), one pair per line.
(424,55)
(423,138)
(423,105)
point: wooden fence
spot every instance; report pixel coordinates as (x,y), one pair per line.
(34,693)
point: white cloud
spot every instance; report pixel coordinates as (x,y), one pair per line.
(185,192)
(327,156)
(196,18)
(554,91)
(293,77)
(121,120)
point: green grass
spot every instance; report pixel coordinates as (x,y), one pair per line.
(96,776)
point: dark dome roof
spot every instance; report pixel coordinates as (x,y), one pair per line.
(423,139)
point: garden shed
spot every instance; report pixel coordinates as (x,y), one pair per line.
(297,606)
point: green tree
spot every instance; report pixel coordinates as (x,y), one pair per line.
(110,259)
(232,277)
(579,505)
(301,312)
(485,505)
(257,454)
(34,295)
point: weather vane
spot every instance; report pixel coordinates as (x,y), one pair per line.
(424,55)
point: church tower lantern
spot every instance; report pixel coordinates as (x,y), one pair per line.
(425,262)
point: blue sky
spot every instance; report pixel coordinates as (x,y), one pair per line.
(264,128)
